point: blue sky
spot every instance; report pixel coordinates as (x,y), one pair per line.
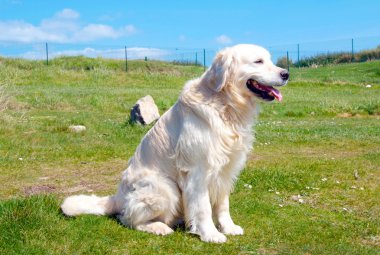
(186,24)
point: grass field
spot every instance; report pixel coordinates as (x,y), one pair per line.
(314,172)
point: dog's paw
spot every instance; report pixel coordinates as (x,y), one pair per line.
(214,237)
(157,228)
(234,230)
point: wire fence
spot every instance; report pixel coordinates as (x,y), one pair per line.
(295,54)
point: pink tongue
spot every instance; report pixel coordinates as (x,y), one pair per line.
(274,92)
(277,94)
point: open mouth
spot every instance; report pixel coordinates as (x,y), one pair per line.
(267,93)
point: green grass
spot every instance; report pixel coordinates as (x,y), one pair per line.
(326,129)
(355,73)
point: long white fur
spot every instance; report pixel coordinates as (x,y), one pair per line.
(186,165)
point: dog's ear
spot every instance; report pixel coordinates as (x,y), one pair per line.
(221,70)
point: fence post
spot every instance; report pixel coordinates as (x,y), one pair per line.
(126,59)
(287,59)
(352,50)
(47,54)
(196,58)
(204,59)
(298,55)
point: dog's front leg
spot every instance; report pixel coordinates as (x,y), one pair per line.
(197,206)
(222,213)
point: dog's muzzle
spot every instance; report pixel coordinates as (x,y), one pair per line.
(267,93)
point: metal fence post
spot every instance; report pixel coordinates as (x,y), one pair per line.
(298,55)
(126,59)
(287,59)
(47,54)
(204,59)
(352,50)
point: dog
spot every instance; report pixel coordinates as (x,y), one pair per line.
(186,165)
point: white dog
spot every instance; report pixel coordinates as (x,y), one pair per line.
(186,165)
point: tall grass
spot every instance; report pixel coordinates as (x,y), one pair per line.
(4,97)
(332,58)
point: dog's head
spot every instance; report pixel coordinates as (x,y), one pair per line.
(249,70)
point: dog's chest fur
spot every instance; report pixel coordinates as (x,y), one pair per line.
(234,142)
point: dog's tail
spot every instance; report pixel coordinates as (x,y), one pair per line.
(84,204)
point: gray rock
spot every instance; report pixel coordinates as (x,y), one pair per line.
(145,111)
(77,128)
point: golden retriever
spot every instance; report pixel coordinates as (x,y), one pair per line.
(186,165)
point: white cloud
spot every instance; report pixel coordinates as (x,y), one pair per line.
(133,53)
(63,27)
(92,32)
(223,39)
(63,22)
(154,53)
(67,14)
(19,31)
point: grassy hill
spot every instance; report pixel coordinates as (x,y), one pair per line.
(320,145)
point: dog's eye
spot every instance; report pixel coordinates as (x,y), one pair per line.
(260,61)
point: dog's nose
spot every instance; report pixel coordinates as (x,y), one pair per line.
(284,75)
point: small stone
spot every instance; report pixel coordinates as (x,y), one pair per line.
(345,209)
(77,128)
(353,187)
(281,205)
(361,188)
(368,86)
(44,178)
(295,197)
(21,159)
(356,174)
(324,179)
(277,193)
(298,198)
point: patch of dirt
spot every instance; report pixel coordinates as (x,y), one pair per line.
(75,189)
(38,189)
(356,115)
(87,177)
(254,156)
(372,240)
(344,115)
(267,251)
